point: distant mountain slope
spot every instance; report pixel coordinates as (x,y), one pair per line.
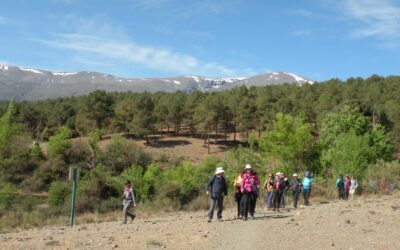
(32,84)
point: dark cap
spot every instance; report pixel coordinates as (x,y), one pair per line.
(127,182)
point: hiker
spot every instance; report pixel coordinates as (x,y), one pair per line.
(346,187)
(340,187)
(269,189)
(279,188)
(307,182)
(296,187)
(353,186)
(238,194)
(129,199)
(219,190)
(249,189)
(287,185)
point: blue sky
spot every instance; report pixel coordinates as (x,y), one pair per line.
(318,39)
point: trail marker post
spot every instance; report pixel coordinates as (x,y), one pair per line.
(73,176)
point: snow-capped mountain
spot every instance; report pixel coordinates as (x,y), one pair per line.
(32,84)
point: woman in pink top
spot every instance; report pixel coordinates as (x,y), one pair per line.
(249,188)
(129,199)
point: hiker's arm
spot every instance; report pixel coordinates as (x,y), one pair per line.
(209,183)
(226,188)
(257,181)
(133,198)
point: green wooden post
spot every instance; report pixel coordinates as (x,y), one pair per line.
(74,180)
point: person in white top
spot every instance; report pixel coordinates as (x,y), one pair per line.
(353,187)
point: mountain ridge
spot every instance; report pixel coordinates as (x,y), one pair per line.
(23,83)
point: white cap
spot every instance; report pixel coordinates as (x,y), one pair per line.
(295,175)
(219,170)
(247,166)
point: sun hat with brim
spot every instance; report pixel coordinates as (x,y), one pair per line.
(219,171)
(247,166)
(295,175)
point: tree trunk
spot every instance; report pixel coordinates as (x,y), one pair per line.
(234,133)
(208,138)
(216,133)
(225,133)
(147,140)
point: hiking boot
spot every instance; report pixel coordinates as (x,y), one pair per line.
(209,220)
(244,218)
(133,217)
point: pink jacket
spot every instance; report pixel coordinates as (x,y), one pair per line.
(250,182)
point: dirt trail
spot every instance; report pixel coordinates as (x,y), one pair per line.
(366,223)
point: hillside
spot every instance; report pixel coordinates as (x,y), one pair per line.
(366,223)
(33,84)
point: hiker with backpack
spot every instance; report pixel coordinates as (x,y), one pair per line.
(129,199)
(249,188)
(219,190)
(287,185)
(269,189)
(346,187)
(353,186)
(279,188)
(238,194)
(307,183)
(340,187)
(296,187)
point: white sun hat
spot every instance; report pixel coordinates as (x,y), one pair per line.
(247,166)
(219,170)
(295,175)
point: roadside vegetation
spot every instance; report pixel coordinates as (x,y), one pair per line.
(329,128)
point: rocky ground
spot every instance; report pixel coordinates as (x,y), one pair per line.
(365,223)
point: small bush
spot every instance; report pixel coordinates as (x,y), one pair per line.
(60,142)
(7,196)
(122,153)
(382,177)
(58,193)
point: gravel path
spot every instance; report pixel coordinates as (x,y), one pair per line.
(366,223)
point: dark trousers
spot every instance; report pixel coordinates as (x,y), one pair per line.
(346,194)
(277,200)
(296,194)
(248,204)
(219,200)
(341,193)
(238,198)
(306,194)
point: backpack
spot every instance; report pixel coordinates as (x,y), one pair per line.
(340,184)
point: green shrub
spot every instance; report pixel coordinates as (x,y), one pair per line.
(60,142)
(48,171)
(382,177)
(122,153)
(7,196)
(57,194)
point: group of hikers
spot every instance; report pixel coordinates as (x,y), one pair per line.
(346,187)
(246,186)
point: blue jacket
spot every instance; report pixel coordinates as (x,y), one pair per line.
(307,183)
